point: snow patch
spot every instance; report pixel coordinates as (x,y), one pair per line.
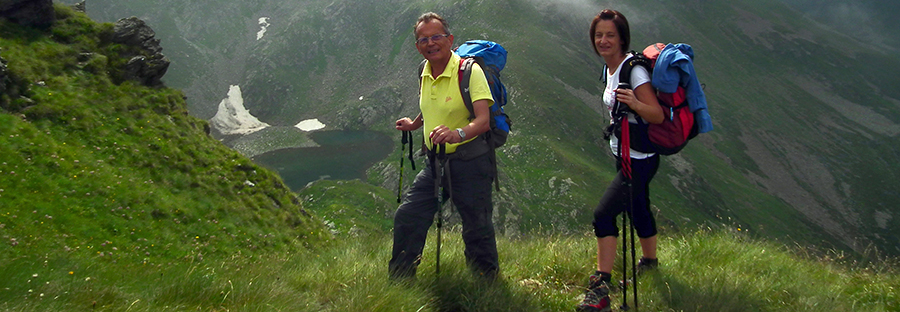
(264,25)
(233,118)
(310,125)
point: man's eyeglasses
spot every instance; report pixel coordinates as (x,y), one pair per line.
(435,38)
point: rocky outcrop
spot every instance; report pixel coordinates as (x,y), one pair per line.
(147,66)
(4,78)
(11,99)
(80,7)
(35,13)
(151,65)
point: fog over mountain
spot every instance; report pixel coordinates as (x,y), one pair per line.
(805,107)
(870,22)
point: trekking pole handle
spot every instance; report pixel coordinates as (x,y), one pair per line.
(618,108)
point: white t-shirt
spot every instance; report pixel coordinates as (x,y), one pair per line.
(639,76)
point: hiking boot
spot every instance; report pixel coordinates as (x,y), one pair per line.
(647,264)
(596,299)
(644,265)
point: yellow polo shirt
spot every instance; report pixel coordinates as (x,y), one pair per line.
(441,102)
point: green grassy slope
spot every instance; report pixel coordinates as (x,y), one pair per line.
(119,173)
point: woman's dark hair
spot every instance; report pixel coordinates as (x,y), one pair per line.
(621,26)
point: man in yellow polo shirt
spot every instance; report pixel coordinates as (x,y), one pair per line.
(445,120)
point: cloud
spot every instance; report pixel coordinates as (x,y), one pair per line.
(863,21)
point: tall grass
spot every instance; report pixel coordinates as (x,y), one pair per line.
(700,271)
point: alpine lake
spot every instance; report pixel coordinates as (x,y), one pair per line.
(341,155)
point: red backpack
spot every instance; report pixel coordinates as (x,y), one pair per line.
(678,127)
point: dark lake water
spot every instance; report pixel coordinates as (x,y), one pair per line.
(342,155)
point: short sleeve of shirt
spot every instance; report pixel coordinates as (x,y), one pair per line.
(639,76)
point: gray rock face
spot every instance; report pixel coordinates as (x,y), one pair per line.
(135,32)
(3,75)
(149,67)
(35,13)
(80,6)
(147,71)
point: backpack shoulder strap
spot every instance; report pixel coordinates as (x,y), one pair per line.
(625,73)
(603,75)
(465,74)
(637,60)
(421,69)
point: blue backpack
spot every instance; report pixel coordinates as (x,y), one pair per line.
(491,57)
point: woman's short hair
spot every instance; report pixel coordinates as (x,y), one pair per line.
(621,26)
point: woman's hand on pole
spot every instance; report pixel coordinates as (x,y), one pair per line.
(643,102)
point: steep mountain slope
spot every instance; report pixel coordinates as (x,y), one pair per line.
(806,137)
(118,172)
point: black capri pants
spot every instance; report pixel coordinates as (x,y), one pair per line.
(616,198)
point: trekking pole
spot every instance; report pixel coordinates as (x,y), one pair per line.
(625,163)
(402,150)
(410,141)
(406,137)
(630,213)
(627,216)
(439,159)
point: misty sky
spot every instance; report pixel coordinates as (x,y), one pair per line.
(867,20)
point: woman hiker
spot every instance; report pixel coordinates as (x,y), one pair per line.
(611,36)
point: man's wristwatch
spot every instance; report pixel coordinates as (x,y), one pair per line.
(462,134)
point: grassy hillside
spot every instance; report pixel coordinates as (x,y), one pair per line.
(98,172)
